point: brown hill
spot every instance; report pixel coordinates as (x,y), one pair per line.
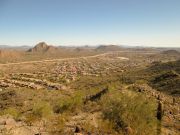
(42,47)
(171,52)
(164,77)
(168,82)
(108,48)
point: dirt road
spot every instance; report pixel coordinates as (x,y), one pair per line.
(53,60)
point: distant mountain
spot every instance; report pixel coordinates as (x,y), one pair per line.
(171,52)
(4,46)
(108,48)
(24,47)
(42,47)
(84,48)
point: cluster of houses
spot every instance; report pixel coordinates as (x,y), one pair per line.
(64,72)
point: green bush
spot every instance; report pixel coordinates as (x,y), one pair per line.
(11,111)
(68,103)
(42,109)
(130,111)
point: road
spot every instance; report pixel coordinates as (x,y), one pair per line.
(62,59)
(54,60)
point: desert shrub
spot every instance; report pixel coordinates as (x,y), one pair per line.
(58,123)
(30,118)
(11,111)
(141,82)
(105,126)
(62,105)
(68,103)
(130,111)
(42,109)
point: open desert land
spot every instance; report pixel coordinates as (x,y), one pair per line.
(89,67)
(103,90)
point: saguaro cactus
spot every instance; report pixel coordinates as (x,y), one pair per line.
(159,117)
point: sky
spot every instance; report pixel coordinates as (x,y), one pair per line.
(90,22)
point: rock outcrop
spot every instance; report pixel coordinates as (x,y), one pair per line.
(8,126)
(42,47)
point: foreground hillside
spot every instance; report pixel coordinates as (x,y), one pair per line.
(164,77)
(168,78)
(114,93)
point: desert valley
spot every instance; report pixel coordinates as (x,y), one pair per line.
(85,90)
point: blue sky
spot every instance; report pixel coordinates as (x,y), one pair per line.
(90,22)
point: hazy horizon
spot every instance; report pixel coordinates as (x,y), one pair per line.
(128,46)
(66,22)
